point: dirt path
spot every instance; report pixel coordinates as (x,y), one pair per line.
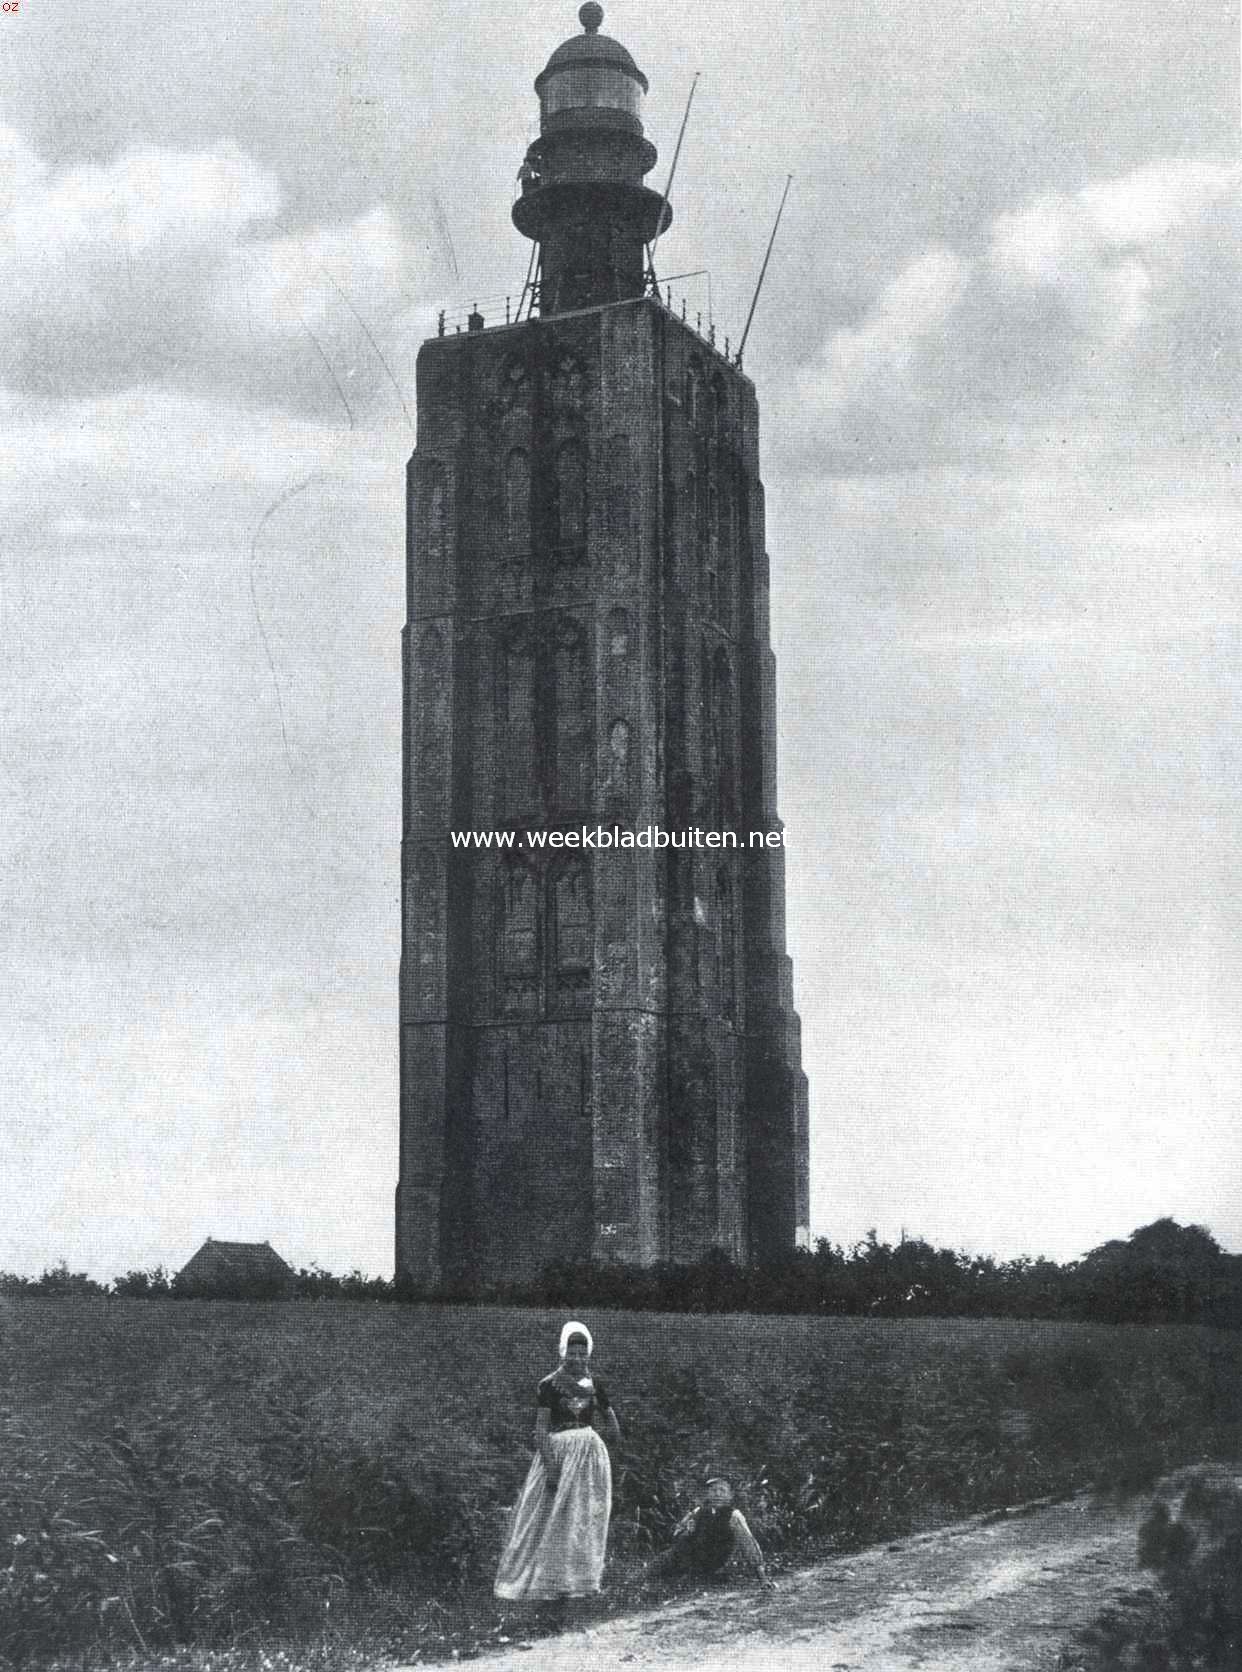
(999,1596)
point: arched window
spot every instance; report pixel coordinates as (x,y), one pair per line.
(724,943)
(722,743)
(429,717)
(573,703)
(724,511)
(618,489)
(706,518)
(720,412)
(517,500)
(618,757)
(706,540)
(570,504)
(617,626)
(694,394)
(711,742)
(514,381)
(435,515)
(517,943)
(515,710)
(568,382)
(571,925)
(725,546)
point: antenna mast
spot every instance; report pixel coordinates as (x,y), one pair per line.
(764,269)
(668,185)
(531,286)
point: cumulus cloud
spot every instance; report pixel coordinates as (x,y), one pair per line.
(879,381)
(330,302)
(171,266)
(1126,290)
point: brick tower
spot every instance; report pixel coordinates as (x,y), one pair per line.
(599,1052)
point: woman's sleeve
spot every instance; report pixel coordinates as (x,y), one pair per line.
(545,1399)
(601,1395)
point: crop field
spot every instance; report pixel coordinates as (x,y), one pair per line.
(223,1483)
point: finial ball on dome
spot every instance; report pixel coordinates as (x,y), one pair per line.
(591,16)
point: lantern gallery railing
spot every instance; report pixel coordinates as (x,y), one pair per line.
(490,313)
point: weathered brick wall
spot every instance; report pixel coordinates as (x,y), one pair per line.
(587,645)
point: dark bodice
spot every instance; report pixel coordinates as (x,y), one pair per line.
(572,1402)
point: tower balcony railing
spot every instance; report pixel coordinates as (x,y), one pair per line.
(679,307)
(484,314)
(490,313)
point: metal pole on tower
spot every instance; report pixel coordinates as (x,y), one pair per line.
(763,270)
(668,185)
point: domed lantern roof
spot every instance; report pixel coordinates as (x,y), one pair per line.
(591,73)
(582,198)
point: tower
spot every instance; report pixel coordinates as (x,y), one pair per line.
(599,1052)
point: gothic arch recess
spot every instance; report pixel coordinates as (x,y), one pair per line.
(545,717)
(435,520)
(516,500)
(517,943)
(618,629)
(570,938)
(617,490)
(429,713)
(694,392)
(569,383)
(572,701)
(724,939)
(719,797)
(719,412)
(514,383)
(545,925)
(569,500)
(516,719)
(722,709)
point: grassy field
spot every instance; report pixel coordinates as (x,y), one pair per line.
(328,1480)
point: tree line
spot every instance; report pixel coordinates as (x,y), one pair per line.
(1162,1273)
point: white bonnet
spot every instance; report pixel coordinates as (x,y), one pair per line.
(573,1327)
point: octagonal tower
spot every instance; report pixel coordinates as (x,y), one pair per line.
(599,1052)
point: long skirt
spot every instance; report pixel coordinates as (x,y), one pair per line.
(557,1539)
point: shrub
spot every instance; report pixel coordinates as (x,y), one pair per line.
(60,1282)
(149,1284)
(1192,1538)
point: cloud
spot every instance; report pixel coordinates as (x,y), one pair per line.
(170,266)
(1122,261)
(202,787)
(21,169)
(878,383)
(1123,291)
(333,301)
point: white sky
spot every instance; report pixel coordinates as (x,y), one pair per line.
(998,361)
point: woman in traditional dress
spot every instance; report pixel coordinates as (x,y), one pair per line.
(558,1531)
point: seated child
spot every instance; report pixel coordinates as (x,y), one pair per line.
(709,1537)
